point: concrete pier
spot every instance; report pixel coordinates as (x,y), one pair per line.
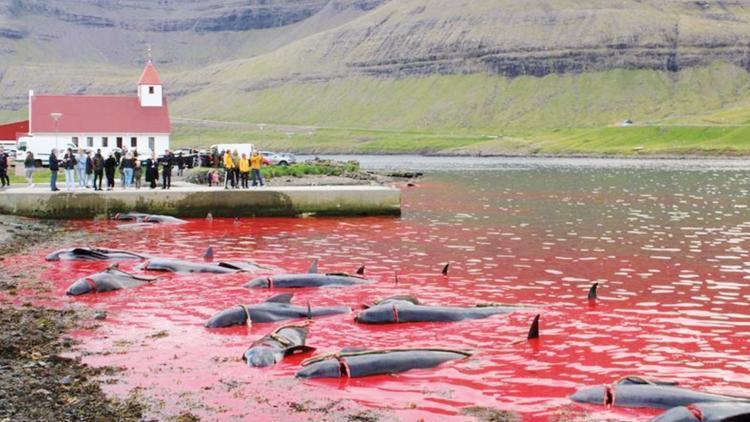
(187,200)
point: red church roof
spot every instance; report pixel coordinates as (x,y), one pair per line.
(149,75)
(97,114)
(12,131)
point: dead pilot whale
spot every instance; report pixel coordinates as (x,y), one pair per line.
(92,254)
(354,363)
(636,391)
(398,309)
(276,308)
(310,279)
(281,342)
(108,280)
(707,412)
(184,266)
(147,218)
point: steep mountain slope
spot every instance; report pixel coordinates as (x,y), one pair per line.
(470,65)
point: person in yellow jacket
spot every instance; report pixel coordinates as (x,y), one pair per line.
(255,162)
(228,170)
(244,170)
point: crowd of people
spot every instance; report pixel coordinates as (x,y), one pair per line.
(91,171)
(238,169)
(86,171)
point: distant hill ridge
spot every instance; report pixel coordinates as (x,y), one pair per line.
(217,57)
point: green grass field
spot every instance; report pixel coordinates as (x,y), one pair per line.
(632,140)
(696,111)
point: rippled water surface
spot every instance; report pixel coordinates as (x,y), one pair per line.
(668,247)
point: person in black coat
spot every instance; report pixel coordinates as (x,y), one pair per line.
(98,169)
(54,167)
(4,168)
(110,164)
(167,162)
(89,169)
(152,170)
(181,164)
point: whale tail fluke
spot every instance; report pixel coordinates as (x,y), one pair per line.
(592,292)
(534,330)
(445,269)
(361,270)
(208,256)
(313,269)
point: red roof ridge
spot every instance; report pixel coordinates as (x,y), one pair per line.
(87,95)
(149,75)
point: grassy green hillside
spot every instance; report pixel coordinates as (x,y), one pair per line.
(633,140)
(481,102)
(698,111)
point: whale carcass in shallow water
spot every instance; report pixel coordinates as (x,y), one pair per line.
(707,412)
(147,218)
(277,308)
(398,309)
(641,392)
(108,280)
(182,266)
(92,254)
(273,347)
(362,363)
(355,363)
(310,279)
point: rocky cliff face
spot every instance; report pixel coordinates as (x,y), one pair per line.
(180,15)
(391,38)
(252,45)
(540,37)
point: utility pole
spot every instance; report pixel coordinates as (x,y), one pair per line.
(56,117)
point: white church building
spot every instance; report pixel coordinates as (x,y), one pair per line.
(138,122)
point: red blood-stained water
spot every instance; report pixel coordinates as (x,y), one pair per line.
(668,249)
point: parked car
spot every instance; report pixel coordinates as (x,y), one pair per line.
(279,158)
(190,156)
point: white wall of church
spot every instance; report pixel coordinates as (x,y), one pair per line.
(42,143)
(150,95)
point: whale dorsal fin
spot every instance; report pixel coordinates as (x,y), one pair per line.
(534,330)
(592,291)
(313,267)
(445,268)
(361,270)
(398,298)
(282,298)
(639,380)
(208,256)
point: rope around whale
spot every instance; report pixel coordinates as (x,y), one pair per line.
(249,320)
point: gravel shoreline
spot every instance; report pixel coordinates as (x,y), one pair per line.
(36,382)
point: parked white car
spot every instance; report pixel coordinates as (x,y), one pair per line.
(279,158)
